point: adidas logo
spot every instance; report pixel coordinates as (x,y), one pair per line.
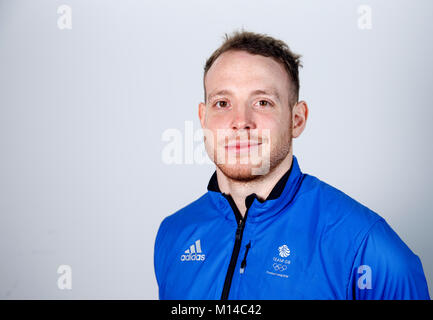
(193,253)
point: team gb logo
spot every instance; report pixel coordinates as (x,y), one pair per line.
(284,251)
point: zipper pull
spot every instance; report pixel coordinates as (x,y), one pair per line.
(242,269)
(244,261)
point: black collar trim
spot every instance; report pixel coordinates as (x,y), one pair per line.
(275,193)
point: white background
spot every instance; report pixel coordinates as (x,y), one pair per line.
(82,112)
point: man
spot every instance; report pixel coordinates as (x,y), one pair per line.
(264,229)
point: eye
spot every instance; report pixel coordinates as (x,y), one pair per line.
(264,103)
(221,104)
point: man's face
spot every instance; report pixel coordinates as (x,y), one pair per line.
(247,117)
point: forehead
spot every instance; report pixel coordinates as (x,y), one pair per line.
(242,71)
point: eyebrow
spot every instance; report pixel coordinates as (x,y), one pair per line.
(219,93)
(268,92)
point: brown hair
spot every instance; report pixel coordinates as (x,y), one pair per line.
(266,46)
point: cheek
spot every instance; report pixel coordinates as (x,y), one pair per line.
(279,129)
(216,121)
(219,127)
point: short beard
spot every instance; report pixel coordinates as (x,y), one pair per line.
(244,172)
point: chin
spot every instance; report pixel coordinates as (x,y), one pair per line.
(238,172)
(243,172)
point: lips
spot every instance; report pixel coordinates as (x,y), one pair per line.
(242,145)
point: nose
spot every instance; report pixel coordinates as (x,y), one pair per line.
(242,118)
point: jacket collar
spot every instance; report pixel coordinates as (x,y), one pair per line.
(281,196)
(275,193)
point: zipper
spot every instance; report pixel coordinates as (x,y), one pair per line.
(236,248)
(244,261)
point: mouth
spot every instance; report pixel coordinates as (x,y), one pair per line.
(241,146)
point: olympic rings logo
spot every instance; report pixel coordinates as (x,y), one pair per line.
(279,267)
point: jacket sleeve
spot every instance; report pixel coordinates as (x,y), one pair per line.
(385,268)
(159,257)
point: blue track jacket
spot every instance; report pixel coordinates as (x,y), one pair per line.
(311,241)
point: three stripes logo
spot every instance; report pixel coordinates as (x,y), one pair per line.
(194,253)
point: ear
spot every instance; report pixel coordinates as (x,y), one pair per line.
(299,118)
(202,114)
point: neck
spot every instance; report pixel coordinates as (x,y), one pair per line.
(262,186)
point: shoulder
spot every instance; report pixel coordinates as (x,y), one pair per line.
(339,212)
(173,226)
(386,268)
(383,246)
(368,243)
(197,212)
